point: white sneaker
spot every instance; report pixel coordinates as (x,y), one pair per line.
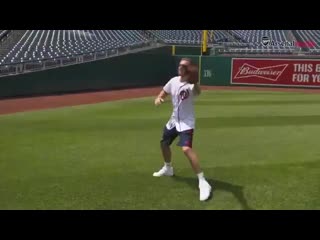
(164,171)
(205,190)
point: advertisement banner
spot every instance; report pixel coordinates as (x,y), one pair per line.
(276,72)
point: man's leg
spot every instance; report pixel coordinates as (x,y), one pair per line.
(193,158)
(167,138)
(185,142)
(166,152)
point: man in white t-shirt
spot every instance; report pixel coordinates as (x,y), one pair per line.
(181,123)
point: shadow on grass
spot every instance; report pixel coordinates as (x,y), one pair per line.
(236,190)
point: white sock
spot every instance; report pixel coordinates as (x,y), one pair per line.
(200,176)
(167,164)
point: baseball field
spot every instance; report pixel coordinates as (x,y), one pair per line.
(258,149)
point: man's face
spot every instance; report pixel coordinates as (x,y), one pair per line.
(183,65)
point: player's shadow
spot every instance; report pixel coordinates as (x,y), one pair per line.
(236,190)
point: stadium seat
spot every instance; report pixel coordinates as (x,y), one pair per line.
(255,37)
(310,36)
(45,44)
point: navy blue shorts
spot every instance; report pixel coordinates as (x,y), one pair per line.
(185,137)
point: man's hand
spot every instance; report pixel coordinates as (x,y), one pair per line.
(158,101)
(193,74)
(196,89)
(160,98)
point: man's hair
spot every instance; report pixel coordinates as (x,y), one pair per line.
(187,59)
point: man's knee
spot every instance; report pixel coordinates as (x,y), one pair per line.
(186,149)
(164,144)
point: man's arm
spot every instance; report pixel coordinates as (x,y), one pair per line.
(196,89)
(160,98)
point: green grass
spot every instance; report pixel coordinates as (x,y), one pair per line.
(260,150)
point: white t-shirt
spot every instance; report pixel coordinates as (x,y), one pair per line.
(182,100)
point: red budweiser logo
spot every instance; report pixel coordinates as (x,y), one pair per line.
(271,73)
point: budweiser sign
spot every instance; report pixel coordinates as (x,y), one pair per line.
(277,72)
(271,73)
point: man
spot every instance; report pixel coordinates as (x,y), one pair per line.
(181,123)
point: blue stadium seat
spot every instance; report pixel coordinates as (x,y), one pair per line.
(46,44)
(310,36)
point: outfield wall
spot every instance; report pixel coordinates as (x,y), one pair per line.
(155,67)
